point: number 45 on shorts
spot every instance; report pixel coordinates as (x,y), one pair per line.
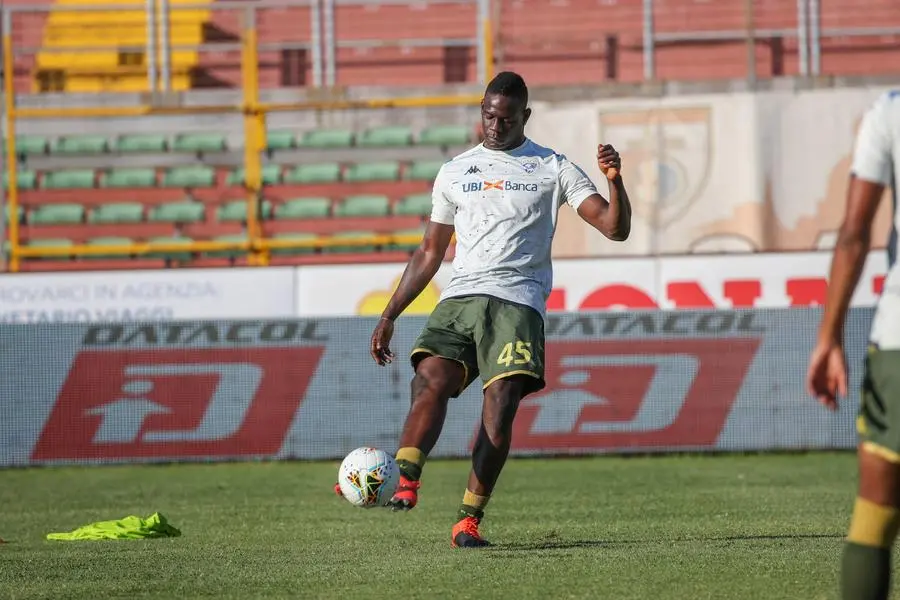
(522,354)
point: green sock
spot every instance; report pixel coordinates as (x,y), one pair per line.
(865,572)
(410,470)
(472,506)
(410,462)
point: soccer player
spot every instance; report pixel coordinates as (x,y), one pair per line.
(501,198)
(866,562)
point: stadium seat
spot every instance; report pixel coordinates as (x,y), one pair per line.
(79,144)
(26,180)
(177,212)
(179,255)
(68,179)
(279,140)
(30,144)
(193,177)
(350,236)
(384,137)
(108,241)
(56,214)
(119,212)
(408,246)
(326,138)
(303,208)
(363,205)
(128,178)
(373,171)
(235,237)
(140,142)
(424,170)
(199,142)
(306,237)
(271,175)
(20,212)
(444,135)
(320,173)
(50,243)
(414,205)
(237,211)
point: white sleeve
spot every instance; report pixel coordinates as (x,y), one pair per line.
(575,183)
(872,156)
(442,208)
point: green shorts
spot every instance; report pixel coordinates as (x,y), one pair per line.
(878,421)
(489,337)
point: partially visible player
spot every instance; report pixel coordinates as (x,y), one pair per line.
(866,562)
(501,198)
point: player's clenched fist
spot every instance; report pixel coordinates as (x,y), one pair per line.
(609,161)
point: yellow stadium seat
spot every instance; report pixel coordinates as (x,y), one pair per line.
(118,68)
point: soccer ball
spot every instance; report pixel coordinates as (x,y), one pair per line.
(368,477)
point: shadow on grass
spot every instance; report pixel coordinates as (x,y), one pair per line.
(560,544)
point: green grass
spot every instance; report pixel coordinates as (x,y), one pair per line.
(686,527)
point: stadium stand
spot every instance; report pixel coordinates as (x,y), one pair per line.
(93,189)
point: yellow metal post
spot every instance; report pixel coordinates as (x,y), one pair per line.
(254,135)
(13,179)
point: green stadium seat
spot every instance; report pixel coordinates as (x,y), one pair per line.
(108,241)
(385,137)
(303,208)
(350,236)
(326,138)
(118,212)
(235,237)
(51,243)
(271,175)
(193,176)
(177,212)
(237,211)
(445,135)
(279,140)
(68,179)
(301,237)
(320,173)
(417,205)
(26,180)
(79,144)
(373,171)
(363,205)
(30,144)
(199,142)
(20,212)
(178,255)
(57,214)
(408,246)
(424,170)
(140,142)
(128,178)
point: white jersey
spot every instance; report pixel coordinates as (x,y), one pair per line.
(876,158)
(504,207)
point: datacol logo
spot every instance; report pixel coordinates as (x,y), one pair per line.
(511,186)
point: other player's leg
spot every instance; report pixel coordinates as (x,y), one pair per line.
(511,360)
(866,562)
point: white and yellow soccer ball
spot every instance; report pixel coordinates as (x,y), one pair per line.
(368,477)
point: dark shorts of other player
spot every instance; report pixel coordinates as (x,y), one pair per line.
(489,337)
(878,420)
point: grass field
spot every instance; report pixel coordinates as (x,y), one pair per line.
(657,528)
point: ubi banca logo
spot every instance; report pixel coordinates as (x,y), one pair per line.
(501,184)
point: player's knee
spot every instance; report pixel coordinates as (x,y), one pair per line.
(501,403)
(434,380)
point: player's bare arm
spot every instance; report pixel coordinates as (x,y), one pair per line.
(827,375)
(610,217)
(422,267)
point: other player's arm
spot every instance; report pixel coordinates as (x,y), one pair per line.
(870,173)
(610,217)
